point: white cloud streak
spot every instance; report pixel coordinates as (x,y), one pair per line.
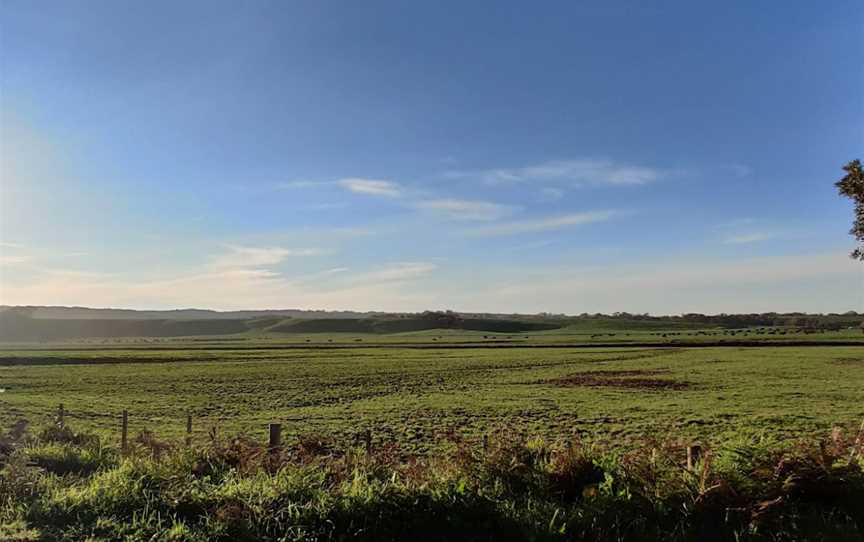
(389,287)
(245,257)
(458,209)
(6,259)
(302,183)
(576,172)
(450,208)
(12,254)
(544,224)
(397,272)
(371,187)
(690,285)
(747,238)
(810,281)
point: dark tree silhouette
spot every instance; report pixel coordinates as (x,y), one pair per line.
(852,186)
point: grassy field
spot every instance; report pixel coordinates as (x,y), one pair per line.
(585,429)
(579,333)
(414,388)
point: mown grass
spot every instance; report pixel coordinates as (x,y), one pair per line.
(60,485)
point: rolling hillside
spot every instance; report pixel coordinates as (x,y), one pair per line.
(16,325)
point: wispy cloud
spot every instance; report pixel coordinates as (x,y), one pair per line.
(688,285)
(252,284)
(300,183)
(746,230)
(357,185)
(7,259)
(545,224)
(371,187)
(13,254)
(398,272)
(533,245)
(251,257)
(353,231)
(745,238)
(326,206)
(737,223)
(576,171)
(459,209)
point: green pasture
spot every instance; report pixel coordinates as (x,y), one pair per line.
(422,397)
(588,332)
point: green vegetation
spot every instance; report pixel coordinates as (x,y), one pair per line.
(64,486)
(852,187)
(586,435)
(23,324)
(427,321)
(19,325)
(412,394)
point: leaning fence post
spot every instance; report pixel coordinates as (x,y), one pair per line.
(694,453)
(275,436)
(124,431)
(61,416)
(188,429)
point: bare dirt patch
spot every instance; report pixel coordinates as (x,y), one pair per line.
(617,373)
(641,379)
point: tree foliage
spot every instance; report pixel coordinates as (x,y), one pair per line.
(852,186)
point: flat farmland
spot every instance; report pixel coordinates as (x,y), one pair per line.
(417,396)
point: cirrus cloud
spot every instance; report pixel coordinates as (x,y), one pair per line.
(246,257)
(746,238)
(371,187)
(576,172)
(459,209)
(545,223)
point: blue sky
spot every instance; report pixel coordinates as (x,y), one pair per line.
(486,156)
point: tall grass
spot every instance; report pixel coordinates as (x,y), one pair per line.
(58,485)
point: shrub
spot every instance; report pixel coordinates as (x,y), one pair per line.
(62,459)
(513,489)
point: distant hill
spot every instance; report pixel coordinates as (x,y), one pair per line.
(406,324)
(621,324)
(36,323)
(20,325)
(85,313)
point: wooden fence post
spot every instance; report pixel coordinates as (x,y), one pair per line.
(275,436)
(367,436)
(124,432)
(694,453)
(61,417)
(189,430)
